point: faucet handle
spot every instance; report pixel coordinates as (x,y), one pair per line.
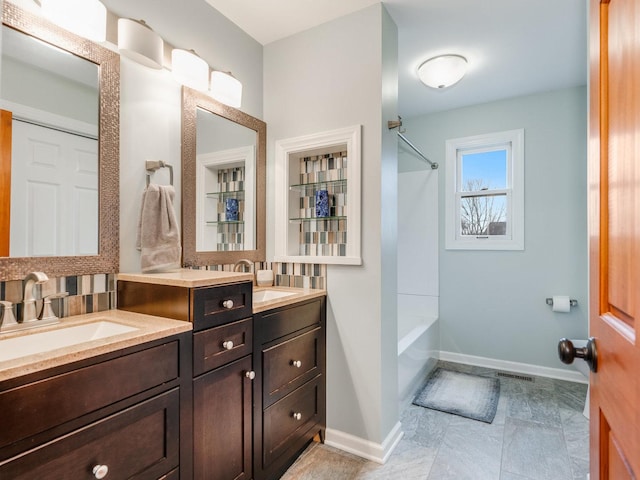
(47,311)
(8,317)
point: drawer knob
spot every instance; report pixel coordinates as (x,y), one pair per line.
(296,363)
(100,471)
(227,304)
(228,345)
(297,415)
(250,375)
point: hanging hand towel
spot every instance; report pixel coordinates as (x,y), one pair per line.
(158,235)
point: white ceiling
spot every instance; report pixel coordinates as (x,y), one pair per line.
(514,47)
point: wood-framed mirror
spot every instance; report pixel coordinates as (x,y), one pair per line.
(223,183)
(92,241)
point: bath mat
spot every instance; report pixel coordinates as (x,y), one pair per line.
(462,394)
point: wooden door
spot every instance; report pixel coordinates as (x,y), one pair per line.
(5,181)
(614,217)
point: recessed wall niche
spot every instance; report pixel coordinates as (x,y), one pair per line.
(318,198)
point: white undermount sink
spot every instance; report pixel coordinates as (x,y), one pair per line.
(260,296)
(40,342)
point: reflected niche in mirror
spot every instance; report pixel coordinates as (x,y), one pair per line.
(59,175)
(225,188)
(223,168)
(52,99)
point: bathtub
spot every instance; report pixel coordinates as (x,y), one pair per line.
(418,347)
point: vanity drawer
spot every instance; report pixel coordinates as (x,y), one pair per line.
(287,320)
(210,348)
(141,442)
(36,407)
(213,306)
(291,363)
(287,422)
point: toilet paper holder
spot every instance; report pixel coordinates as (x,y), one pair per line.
(572,302)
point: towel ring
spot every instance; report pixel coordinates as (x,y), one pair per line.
(153,165)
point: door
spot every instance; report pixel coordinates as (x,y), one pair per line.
(614,210)
(54,185)
(5,180)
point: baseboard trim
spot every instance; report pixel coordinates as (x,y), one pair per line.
(516,367)
(376,452)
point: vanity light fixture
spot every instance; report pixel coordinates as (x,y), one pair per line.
(226,89)
(87,18)
(136,40)
(189,69)
(442,71)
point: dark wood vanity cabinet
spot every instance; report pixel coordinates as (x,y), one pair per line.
(119,412)
(221,420)
(290,400)
(258,381)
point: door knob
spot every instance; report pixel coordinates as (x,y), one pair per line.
(567,352)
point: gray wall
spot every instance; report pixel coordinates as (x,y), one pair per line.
(339,74)
(492,303)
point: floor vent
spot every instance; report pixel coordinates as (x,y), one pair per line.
(517,377)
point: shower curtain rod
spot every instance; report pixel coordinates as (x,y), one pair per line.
(434,166)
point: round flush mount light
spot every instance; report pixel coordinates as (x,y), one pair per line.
(442,71)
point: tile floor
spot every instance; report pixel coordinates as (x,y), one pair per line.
(539,433)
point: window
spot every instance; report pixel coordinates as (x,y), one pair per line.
(485,192)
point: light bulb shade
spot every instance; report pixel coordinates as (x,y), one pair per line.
(442,71)
(87,18)
(226,89)
(189,69)
(138,42)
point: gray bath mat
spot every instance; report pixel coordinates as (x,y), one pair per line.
(463,394)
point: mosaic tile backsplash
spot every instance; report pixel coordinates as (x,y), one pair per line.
(300,275)
(87,294)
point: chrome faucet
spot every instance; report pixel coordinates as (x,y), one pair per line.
(29,313)
(240,264)
(243,262)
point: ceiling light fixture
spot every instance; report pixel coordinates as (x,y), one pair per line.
(87,18)
(226,89)
(442,71)
(136,40)
(189,69)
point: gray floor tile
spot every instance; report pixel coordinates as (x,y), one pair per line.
(539,433)
(469,450)
(535,450)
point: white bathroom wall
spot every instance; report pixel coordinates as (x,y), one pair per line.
(492,303)
(339,74)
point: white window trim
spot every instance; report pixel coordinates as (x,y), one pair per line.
(514,240)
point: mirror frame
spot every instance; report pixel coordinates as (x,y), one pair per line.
(191,101)
(108,62)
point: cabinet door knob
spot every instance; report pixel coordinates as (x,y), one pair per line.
(296,363)
(297,415)
(100,471)
(228,345)
(227,304)
(250,375)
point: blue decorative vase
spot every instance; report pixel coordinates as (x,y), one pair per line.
(322,203)
(231,209)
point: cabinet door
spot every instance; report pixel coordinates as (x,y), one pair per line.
(141,442)
(222,423)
